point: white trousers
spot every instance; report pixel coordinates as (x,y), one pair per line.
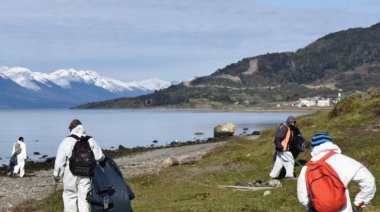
(283,159)
(75,189)
(19,167)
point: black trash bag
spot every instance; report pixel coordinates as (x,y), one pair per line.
(101,191)
(12,164)
(111,168)
(118,198)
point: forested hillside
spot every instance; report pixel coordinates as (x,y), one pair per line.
(345,61)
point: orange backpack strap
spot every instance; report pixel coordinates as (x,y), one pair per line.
(331,153)
(325,157)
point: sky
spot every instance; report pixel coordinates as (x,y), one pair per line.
(172,40)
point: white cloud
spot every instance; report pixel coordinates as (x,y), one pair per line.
(168,39)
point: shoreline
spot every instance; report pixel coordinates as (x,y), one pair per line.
(235,110)
(39,184)
(121,151)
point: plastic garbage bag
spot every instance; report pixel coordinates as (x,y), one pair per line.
(110,191)
(12,164)
(102,189)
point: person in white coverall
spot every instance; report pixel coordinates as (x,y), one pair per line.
(75,188)
(348,170)
(20,157)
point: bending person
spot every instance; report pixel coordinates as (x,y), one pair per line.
(347,169)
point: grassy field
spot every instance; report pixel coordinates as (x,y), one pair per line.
(354,125)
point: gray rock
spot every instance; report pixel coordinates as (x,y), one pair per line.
(224,130)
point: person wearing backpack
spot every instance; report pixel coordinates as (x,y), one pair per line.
(296,146)
(76,185)
(19,148)
(323,182)
(284,157)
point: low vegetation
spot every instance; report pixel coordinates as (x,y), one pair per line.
(354,125)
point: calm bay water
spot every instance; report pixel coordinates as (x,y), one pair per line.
(43,129)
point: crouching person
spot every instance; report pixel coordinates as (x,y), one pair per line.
(323,182)
(76,168)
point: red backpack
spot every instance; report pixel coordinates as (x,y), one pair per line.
(326,191)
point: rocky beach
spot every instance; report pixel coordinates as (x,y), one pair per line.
(39,184)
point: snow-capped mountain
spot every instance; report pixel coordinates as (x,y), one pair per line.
(23,88)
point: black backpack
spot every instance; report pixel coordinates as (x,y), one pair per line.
(82,161)
(298,143)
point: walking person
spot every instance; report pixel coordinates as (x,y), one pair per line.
(19,148)
(75,187)
(284,157)
(347,169)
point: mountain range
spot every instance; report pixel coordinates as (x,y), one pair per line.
(341,62)
(65,88)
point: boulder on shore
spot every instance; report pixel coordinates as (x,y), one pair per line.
(224,130)
(183,160)
(168,162)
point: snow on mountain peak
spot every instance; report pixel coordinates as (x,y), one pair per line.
(64,77)
(152,84)
(25,77)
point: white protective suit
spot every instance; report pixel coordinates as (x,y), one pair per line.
(20,159)
(348,170)
(75,188)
